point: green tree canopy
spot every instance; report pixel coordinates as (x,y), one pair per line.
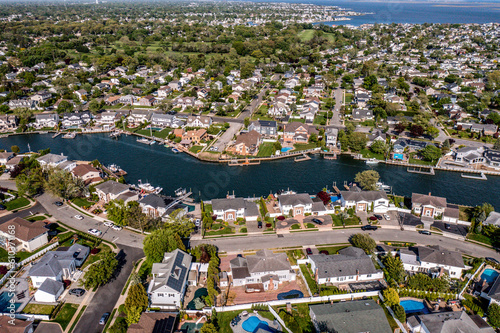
(367,179)
(430,153)
(159,242)
(391,297)
(100,272)
(363,241)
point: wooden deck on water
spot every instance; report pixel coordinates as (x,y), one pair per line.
(420,171)
(302,158)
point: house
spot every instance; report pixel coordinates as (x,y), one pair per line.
(175,85)
(295,204)
(148,101)
(56,161)
(493,219)
(106,119)
(195,136)
(352,264)
(263,271)
(331,135)
(5,157)
(199,121)
(296,132)
(492,158)
(138,117)
(434,260)
(154,205)
(401,144)
(231,209)
(362,115)
(470,155)
(247,144)
(58,265)
(265,128)
(164,91)
(128,99)
(365,201)
(430,206)
(76,119)
(376,135)
(22,104)
(349,317)
(46,120)
(112,190)
(28,236)
(41,97)
(87,173)
(113,100)
(166,290)
(444,322)
(8,122)
(485,129)
(49,291)
(278,110)
(14,325)
(154,322)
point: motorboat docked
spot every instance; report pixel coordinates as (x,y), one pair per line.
(152,142)
(114,168)
(143,140)
(175,150)
(70,135)
(115,134)
(180,191)
(372,161)
(147,188)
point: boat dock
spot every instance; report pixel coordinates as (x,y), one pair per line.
(482,176)
(70,135)
(421,171)
(329,156)
(56,135)
(243,163)
(302,158)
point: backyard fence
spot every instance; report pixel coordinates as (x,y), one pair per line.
(39,253)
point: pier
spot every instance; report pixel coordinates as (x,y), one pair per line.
(302,158)
(56,135)
(482,176)
(243,163)
(420,171)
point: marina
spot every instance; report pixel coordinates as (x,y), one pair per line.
(70,135)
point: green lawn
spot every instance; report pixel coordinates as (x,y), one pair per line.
(303,146)
(195,149)
(313,286)
(266,149)
(320,119)
(43,309)
(332,249)
(348,221)
(480,238)
(367,153)
(36,218)
(82,202)
(82,310)
(65,315)
(17,203)
(420,162)
(306,35)
(348,98)
(224,231)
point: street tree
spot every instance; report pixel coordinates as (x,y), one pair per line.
(363,241)
(101,272)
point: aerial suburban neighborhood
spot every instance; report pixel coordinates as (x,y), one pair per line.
(235,167)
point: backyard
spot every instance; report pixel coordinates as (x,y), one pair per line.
(266,149)
(65,314)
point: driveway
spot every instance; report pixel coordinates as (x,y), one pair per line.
(36,209)
(44,327)
(227,136)
(106,296)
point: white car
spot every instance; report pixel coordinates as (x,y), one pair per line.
(94,232)
(109,224)
(116,227)
(78,217)
(387,217)
(197,222)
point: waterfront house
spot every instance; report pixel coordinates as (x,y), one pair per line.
(365,201)
(5,157)
(493,219)
(492,158)
(429,206)
(106,119)
(154,322)
(55,161)
(295,204)
(43,120)
(265,128)
(263,271)
(433,260)
(350,317)
(194,136)
(470,155)
(28,236)
(112,190)
(154,206)
(8,122)
(138,117)
(199,121)
(22,104)
(170,279)
(76,119)
(445,322)
(296,132)
(165,120)
(231,209)
(351,265)
(87,173)
(246,144)
(331,135)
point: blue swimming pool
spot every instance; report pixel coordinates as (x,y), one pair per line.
(412,306)
(5,302)
(284,150)
(253,323)
(490,275)
(398,156)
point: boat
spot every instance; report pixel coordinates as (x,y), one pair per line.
(148,188)
(143,140)
(180,191)
(115,135)
(482,176)
(372,161)
(70,135)
(152,142)
(175,150)
(114,168)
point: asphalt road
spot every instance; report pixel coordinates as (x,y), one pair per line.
(339,96)
(106,296)
(36,209)
(307,239)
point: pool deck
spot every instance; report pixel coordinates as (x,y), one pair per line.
(238,328)
(20,285)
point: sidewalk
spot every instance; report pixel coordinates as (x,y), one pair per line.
(86,301)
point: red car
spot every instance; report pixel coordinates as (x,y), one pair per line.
(309,251)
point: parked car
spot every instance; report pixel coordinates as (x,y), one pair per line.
(309,251)
(116,227)
(387,217)
(379,217)
(369,227)
(94,232)
(317,221)
(492,260)
(447,226)
(2,207)
(425,232)
(197,222)
(259,224)
(78,217)
(109,224)
(104,318)
(58,203)
(77,292)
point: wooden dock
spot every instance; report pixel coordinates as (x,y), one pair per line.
(56,135)
(419,170)
(302,158)
(482,176)
(330,156)
(243,163)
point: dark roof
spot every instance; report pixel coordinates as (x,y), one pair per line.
(351,317)
(267,261)
(25,230)
(156,201)
(266,123)
(451,322)
(51,287)
(295,199)
(439,255)
(363,196)
(112,187)
(154,322)
(424,199)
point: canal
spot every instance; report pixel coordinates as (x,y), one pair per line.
(161,167)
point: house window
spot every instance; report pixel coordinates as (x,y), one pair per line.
(160,294)
(368,275)
(171,295)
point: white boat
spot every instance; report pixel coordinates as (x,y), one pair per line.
(70,135)
(114,135)
(372,161)
(180,191)
(114,168)
(147,187)
(143,140)
(175,150)
(152,142)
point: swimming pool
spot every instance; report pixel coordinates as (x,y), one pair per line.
(5,302)
(398,156)
(253,323)
(490,275)
(284,150)
(412,306)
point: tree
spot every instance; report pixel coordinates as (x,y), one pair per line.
(367,179)
(363,241)
(136,302)
(64,107)
(247,122)
(391,297)
(160,241)
(133,315)
(494,314)
(394,267)
(120,326)
(496,145)
(15,149)
(62,184)
(432,131)
(209,328)
(100,272)
(399,312)
(94,106)
(116,211)
(378,147)
(416,130)
(430,153)
(357,141)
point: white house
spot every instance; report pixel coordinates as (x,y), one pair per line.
(46,120)
(49,291)
(428,206)
(56,161)
(112,190)
(434,260)
(352,264)
(28,236)
(376,201)
(233,208)
(199,121)
(295,204)
(170,278)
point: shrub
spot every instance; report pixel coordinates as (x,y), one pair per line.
(363,241)
(95,250)
(3,270)
(399,312)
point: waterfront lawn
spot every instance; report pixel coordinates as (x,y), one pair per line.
(266,149)
(17,203)
(163,133)
(367,153)
(82,202)
(332,249)
(65,315)
(195,149)
(304,146)
(43,309)
(337,221)
(414,160)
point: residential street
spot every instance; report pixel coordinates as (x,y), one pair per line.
(307,239)
(106,296)
(339,96)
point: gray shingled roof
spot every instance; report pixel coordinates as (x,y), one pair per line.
(295,199)
(451,322)
(439,255)
(155,201)
(267,261)
(235,204)
(351,317)
(363,196)
(493,218)
(51,287)
(112,187)
(172,272)
(424,199)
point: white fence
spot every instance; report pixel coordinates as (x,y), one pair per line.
(31,317)
(39,253)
